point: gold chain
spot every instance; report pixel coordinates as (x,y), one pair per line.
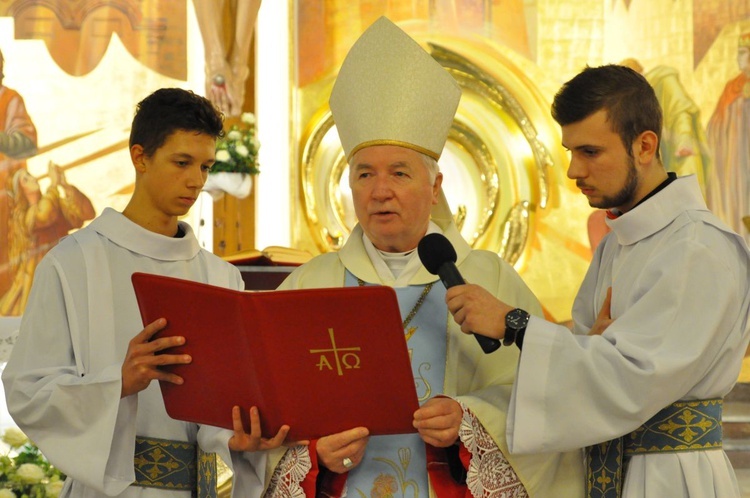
(416,307)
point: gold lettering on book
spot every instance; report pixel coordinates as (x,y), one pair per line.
(342,356)
(323,362)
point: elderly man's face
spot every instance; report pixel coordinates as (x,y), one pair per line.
(393,196)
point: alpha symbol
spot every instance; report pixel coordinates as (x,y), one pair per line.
(344,358)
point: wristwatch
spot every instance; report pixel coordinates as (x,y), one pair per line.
(515,326)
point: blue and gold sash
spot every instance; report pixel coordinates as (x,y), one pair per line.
(682,426)
(175,465)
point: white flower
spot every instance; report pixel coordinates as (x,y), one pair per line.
(14,438)
(52,489)
(223,156)
(235,152)
(6,493)
(30,473)
(248,117)
(242,150)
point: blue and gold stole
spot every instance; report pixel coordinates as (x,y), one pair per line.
(397,464)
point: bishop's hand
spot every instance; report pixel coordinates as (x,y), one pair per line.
(343,451)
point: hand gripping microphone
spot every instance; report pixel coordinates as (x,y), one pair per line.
(439,257)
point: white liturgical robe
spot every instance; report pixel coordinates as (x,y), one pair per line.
(63,380)
(680,305)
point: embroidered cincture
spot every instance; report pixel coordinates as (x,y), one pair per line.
(682,426)
(175,465)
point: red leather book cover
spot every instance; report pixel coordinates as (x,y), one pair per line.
(320,360)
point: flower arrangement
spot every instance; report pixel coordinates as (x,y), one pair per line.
(25,472)
(237,151)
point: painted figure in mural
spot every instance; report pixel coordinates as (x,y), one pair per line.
(683,146)
(80,378)
(227,64)
(728,131)
(460,445)
(640,317)
(38,221)
(17,142)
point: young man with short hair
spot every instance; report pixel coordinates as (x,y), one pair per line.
(79,381)
(660,320)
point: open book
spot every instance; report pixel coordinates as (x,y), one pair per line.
(271,255)
(320,360)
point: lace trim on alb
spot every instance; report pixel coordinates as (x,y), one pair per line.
(490,474)
(289,473)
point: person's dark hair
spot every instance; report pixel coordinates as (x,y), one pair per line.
(168,110)
(628,98)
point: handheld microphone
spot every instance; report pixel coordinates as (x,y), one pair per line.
(439,258)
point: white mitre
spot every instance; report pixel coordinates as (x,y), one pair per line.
(390,91)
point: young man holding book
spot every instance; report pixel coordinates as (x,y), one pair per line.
(79,380)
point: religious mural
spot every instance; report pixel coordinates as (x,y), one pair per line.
(19,141)
(33,221)
(728,132)
(63,138)
(80,66)
(504,166)
(77,33)
(38,221)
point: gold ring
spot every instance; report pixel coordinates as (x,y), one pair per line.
(348,463)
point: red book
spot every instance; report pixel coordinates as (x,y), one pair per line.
(320,360)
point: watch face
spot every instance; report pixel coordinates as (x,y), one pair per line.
(517,319)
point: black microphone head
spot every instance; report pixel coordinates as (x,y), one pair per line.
(435,249)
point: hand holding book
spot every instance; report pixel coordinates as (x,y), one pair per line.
(321,361)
